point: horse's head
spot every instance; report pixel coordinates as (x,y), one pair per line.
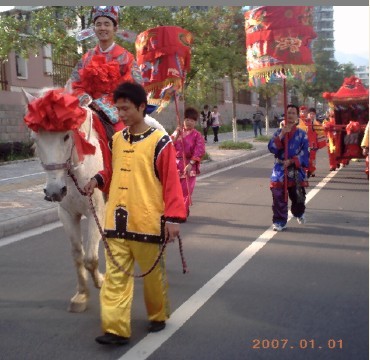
(54,150)
(54,118)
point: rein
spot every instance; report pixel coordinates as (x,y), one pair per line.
(106,245)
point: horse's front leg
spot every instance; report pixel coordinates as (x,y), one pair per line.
(72,226)
(91,259)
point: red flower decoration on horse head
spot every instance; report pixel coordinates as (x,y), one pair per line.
(100,77)
(55,111)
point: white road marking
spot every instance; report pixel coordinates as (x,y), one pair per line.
(201,177)
(150,343)
(22,176)
(26,234)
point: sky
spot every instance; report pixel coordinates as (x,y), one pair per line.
(351,29)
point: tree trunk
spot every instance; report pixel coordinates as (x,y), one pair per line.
(233,111)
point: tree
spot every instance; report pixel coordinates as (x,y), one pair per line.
(218,49)
(226,46)
(267,92)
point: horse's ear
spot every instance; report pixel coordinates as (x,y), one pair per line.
(29,98)
(68,87)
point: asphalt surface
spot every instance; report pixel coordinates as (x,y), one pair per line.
(251,293)
(22,204)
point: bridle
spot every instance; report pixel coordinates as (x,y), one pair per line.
(67,165)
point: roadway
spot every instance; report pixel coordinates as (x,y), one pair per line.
(251,293)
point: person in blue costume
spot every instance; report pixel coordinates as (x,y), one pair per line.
(297,159)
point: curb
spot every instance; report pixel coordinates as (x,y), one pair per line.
(213,166)
(47,216)
(31,221)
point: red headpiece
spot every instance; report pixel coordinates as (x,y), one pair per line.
(302,108)
(59,111)
(55,111)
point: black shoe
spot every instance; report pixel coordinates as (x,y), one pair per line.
(112,339)
(156,326)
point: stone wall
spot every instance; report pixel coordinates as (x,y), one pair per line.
(12,127)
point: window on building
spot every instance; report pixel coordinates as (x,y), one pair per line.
(21,67)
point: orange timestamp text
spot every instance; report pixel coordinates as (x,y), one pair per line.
(261,344)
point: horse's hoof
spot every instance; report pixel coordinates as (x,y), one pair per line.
(78,303)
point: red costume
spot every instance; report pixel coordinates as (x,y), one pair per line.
(333,142)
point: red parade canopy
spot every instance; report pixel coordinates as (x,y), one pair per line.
(352,90)
(163,55)
(278,40)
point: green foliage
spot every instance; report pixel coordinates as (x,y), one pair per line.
(218,48)
(206,157)
(262,138)
(239,145)
(11,151)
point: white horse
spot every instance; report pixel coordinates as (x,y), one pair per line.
(58,155)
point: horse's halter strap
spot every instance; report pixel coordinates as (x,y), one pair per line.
(53,166)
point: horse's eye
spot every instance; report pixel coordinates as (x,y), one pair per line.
(66,138)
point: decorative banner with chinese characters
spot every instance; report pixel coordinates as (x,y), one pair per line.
(278,42)
(163,55)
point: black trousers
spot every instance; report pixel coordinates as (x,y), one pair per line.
(215,133)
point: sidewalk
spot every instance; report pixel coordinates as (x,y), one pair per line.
(22,204)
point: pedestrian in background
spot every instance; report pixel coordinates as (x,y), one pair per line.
(190,149)
(216,123)
(295,163)
(257,122)
(206,121)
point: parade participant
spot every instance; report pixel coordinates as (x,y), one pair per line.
(190,149)
(316,139)
(297,142)
(101,69)
(206,121)
(144,207)
(365,148)
(301,122)
(332,138)
(352,140)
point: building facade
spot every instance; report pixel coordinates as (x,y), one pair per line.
(323,22)
(362,72)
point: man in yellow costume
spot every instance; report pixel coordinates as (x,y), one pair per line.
(145,207)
